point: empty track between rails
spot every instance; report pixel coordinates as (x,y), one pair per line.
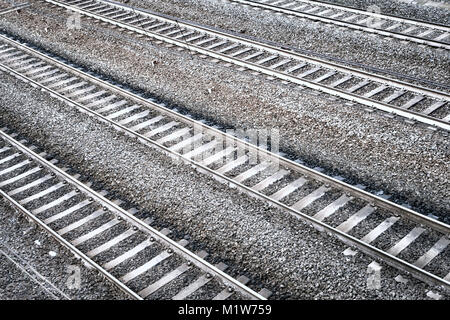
(141,260)
(376,226)
(432,34)
(426,105)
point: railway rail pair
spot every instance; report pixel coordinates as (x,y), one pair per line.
(140,260)
(417,31)
(386,231)
(423,104)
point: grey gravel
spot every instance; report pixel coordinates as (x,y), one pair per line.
(286,255)
(19,284)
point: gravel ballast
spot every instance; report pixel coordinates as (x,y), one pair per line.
(286,255)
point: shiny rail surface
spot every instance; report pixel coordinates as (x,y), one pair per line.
(432,34)
(356,217)
(14,8)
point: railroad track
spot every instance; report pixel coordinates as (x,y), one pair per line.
(414,102)
(427,33)
(14,8)
(386,231)
(141,260)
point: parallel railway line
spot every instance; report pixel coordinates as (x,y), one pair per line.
(372,224)
(429,106)
(14,8)
(432,34)
(139,259)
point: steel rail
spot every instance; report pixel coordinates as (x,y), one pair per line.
(269,48)
(15,8)
(346,238)
(418,22)
(263,46)
(398,35)
(135,222)
(381,202)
